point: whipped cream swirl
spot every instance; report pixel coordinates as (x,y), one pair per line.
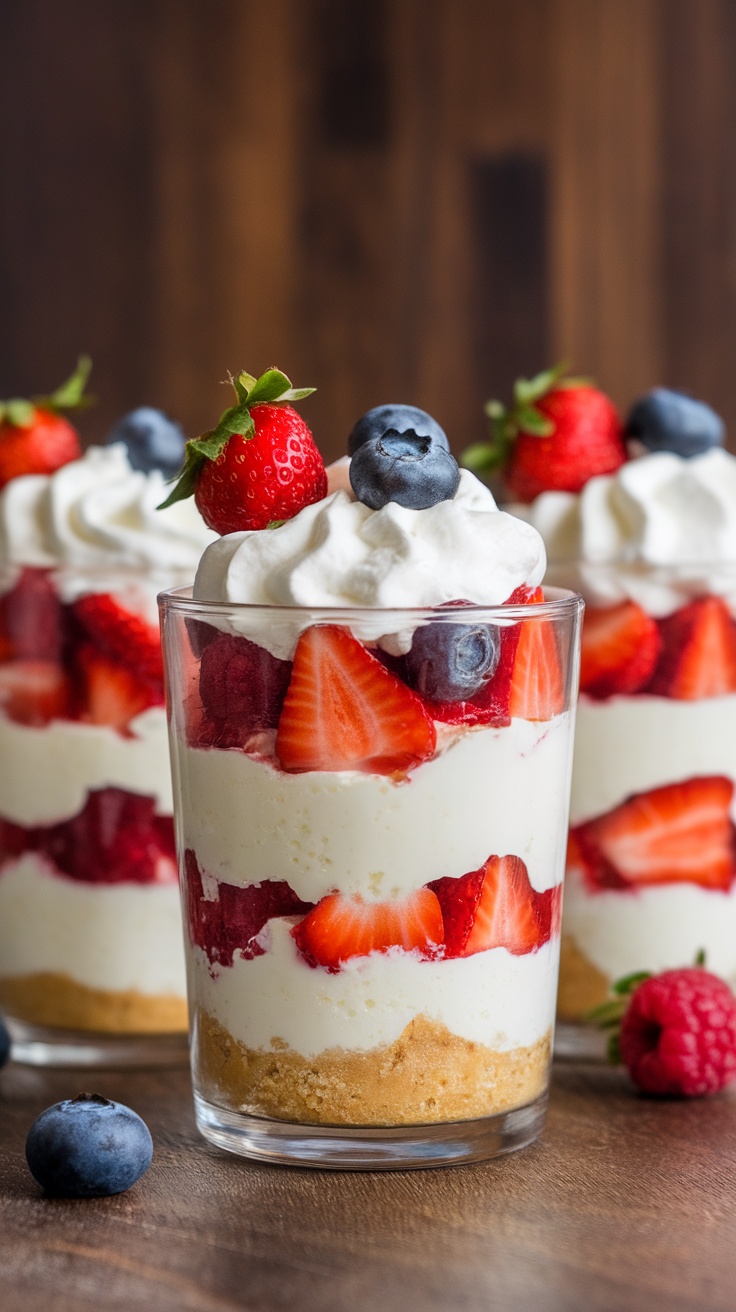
(661,530)
(340,553)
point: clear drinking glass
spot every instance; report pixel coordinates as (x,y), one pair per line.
(91,954)
(371,881)
(651,866)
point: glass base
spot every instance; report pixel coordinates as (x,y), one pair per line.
(370,1148)
(39,1045)
(579,1042)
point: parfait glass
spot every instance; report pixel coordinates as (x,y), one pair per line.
(651,866)
(371,881)
(91,956)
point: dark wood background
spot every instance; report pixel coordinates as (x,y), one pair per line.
(392,199)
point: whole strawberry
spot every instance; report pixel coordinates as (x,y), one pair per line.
(678,1031)
(558,433)
(34,438)
(260,465)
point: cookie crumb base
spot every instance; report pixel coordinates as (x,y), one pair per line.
(428,1075)
(55,1000)
(582,985)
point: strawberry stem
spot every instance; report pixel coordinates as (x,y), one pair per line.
(69,395)
(272,387)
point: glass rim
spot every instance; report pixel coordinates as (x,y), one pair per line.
(558,603)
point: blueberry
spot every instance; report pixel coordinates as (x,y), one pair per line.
(153,440)
(663,420)
(402,419)
(4,1042)
(414,471)
(451,662)
(88,1147)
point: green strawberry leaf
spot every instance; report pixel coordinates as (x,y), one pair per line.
(613,1049)
(700,957)
(529,390)
(623,987)
(607,1013)
(532,421)
(70,395)
(273,385)
(19,413)
(481,456)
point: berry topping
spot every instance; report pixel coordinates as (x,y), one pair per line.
(260,465)
(34,438)
(537,684)
(398,418)
(153,440)
(675,1032)
(664,420)
(620,648)
(678,833)
(496,907)
(451,662)
(242,688)
(88,1147)
(345,711)
(341,927)
(698,656)
(4,1042)
(558,433)
(34,692)
(413,471)
(112,694)
(122,635)
(233,921)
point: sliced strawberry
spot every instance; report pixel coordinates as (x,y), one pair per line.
(34,692)
(621,645)
(698,652)
(345,711)
(496,907)
(342,927)
(679,833)
(242,688)
(537,685)
(112,694)
(232,921)
(121,635)
(31,617)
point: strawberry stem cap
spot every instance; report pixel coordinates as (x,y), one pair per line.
(522,416)
(70,395)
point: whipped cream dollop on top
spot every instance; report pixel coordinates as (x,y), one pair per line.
(660,530)
(340,553)
(100,513)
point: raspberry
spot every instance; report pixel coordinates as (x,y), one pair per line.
(678,1035)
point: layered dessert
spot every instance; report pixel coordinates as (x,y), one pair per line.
(90,927)
(650,542)
(371,740)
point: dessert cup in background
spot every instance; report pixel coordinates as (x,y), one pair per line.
(91,959)
(651,865)
(371,877)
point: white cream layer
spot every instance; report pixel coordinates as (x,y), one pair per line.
(491,792)
(654,928)
(492,998)
(105,936)
(46,774)
(630,744)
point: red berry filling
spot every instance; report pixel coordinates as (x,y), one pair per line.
(116,838)
(232,921)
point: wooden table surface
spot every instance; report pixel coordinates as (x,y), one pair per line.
(626,1204)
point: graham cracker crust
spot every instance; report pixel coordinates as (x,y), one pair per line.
(582,985)
(56,1000)
(427,1075)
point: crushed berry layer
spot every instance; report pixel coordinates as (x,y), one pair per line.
(116,838)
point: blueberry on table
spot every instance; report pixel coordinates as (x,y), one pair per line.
(400,418)
(664,420)
(153,440)
(413,471)
(4,1042)
(451,662)
(88,1147)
